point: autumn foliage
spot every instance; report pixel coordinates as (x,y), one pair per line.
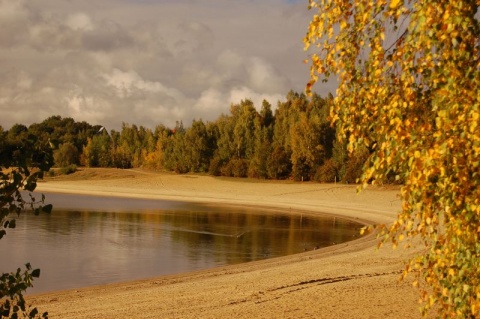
(294,140)
(408,89)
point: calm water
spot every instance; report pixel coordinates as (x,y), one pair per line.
(90,240)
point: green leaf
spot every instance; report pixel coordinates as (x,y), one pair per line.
(33,313)
(36,273)
(30,186)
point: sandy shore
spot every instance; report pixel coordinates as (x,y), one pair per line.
(352,280)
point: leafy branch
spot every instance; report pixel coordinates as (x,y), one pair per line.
(20,155)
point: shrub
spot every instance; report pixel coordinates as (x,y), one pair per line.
(327,173)
(215,167)
(66,154)
(68,169)
(239,167)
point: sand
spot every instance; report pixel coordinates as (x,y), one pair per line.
(351,280)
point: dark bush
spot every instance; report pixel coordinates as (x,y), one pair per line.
(327,173)
(215,167)
(355,165)
(236,167)
(239,167)
(70,169)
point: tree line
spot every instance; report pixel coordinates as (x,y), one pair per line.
(296,141)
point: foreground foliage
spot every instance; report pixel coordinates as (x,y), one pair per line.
(408,74)
(22,162)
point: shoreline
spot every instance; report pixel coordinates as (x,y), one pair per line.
(350,280)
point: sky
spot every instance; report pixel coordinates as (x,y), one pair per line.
(147,62)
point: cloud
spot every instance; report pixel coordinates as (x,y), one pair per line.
(13,18)
(265,78)
(212,102)
(129,84)
(79,21)
(146,62)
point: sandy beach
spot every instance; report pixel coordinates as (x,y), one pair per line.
(351,280)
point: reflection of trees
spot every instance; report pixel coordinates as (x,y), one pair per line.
(224,234)
(246,235)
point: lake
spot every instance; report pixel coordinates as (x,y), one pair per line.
(93,240)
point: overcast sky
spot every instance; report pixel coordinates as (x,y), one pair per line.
(147,62)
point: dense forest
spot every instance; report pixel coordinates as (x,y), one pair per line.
(296,141)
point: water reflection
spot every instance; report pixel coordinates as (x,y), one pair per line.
(83,247)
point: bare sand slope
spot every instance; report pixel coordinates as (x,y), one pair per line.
(352,280)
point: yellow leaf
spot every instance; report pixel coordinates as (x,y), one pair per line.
(445,292)
(410,225)
(394,4)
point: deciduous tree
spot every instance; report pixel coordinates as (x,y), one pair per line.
(67,154)
(197,147)
(408,77)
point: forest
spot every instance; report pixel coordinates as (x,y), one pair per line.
(296,141)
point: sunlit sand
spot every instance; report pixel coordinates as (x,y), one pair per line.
(351,280)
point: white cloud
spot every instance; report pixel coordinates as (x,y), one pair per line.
(212,102)
(264,78)
(238,94)
(146,62)
(84,107)
(128,84)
